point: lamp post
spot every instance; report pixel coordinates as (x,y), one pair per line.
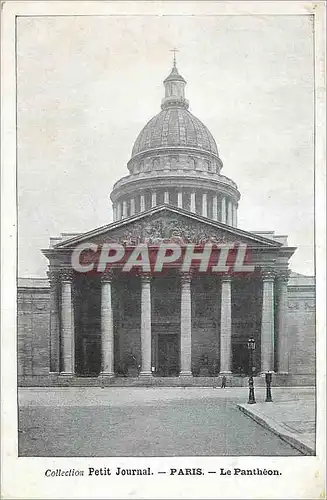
(268,387)
(251,348)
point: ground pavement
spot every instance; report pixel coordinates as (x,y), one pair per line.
(156,421)
(293,420)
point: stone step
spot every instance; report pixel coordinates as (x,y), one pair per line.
(232,381)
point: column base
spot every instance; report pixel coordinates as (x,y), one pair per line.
(282,373)
(145,373)
(186,373)
(66,374)
(225,373)
(107,374)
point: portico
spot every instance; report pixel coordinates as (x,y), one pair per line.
(177,323)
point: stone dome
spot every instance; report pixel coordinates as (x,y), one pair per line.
(175,161)
(175,127)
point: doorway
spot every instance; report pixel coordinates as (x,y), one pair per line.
(167,355)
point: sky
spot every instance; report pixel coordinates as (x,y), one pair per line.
(86,86)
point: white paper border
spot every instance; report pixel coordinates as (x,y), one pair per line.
(302,477)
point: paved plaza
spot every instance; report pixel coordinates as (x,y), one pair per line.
(156,421)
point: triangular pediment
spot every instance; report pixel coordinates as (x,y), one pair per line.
(168,224)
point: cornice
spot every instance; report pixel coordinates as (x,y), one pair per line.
(174,150)
(210,181)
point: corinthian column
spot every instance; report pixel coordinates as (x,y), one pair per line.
(146,325)
(153,199)
(186,326)
(180,199)
(118,211)
(193,209)
(204,205)
(267,321)
(67,330)
(142,203)
(107,334)
(223,210)
(124,209)
(132,212)
(54,322)
(229,213)
(215,207)
(226,326)
(282,326)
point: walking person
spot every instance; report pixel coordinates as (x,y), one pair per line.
(223,382)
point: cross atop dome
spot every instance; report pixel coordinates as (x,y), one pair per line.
(174,50)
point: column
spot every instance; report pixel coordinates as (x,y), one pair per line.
(226,325)
(146,325)
(215,207)
(234,215)
(180,199)
(192,207)
(153,199)
(132,212)
(267,322)
(282,326)
(114,211)
(186,326)
(54,323)
(223,210)
(166,197)
(107,332)
(229,213)
(124,209)
(118,211)
(142,203)
(67,331)
(204,205)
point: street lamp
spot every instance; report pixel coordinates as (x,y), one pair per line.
(268,387)
(251,348)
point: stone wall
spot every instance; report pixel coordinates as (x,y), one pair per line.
(301,327)
(33,323)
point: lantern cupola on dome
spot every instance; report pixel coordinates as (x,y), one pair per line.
(174,90)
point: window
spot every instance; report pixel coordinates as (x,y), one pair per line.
(155,163)
(173,163)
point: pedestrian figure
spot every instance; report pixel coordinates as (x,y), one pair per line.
(223,382)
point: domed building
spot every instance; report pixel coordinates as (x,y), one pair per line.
(171,292)
(175,161)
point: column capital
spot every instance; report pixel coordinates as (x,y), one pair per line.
(66,275)
(145,277)
(226,278)
(283,275)
(185,277)
(268,274)
(53,276)
(107,276)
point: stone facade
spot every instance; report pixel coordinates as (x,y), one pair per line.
(34,330)
(97,328)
